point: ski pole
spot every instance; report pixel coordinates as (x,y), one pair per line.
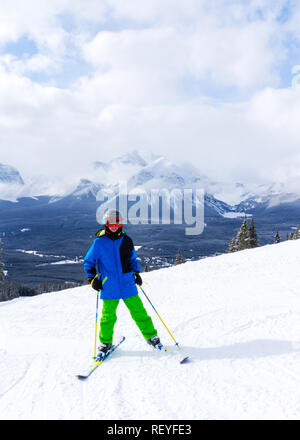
(97,303)
(176,343)
(96,323)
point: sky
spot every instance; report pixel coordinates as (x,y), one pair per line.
(212,82)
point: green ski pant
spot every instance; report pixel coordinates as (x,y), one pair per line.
(137,311)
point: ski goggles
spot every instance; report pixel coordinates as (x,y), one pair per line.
(114,221)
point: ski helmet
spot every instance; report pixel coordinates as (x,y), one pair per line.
(113,216)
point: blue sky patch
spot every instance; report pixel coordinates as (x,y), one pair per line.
(22,48)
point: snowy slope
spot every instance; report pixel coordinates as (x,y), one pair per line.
(238,316)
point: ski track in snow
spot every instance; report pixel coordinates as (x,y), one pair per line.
(238,316)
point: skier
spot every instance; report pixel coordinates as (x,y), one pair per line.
(112,267)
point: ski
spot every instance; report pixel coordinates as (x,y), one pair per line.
(97,362)
(179,355)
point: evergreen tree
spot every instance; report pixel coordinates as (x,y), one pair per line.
(297,234)
(277,237)
(287,236)
(233,245)
(253,240)
(179,258)
(292,236)
(243,237)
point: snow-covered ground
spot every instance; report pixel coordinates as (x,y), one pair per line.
(237,315)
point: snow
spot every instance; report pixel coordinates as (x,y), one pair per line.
(235,214)
(237,315)
(9,174)
(76,261)
(143,172)
(35,253)
(38,254)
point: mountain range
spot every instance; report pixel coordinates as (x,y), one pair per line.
(42,228)
(154,172)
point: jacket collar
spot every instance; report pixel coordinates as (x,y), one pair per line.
(111,235)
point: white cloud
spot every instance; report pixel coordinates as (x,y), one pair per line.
(239,55)
(235,57)
(143,58)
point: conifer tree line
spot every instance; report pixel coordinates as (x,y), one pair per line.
(289,236)
(246,237)
(10,289)
(177,260)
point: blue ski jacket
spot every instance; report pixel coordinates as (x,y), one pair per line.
(115,262)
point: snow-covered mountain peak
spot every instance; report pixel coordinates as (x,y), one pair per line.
(131,158)
(162,173)
(10,175)
(100,165)
(86,188)
(11,182)
(118,169)
(146,171)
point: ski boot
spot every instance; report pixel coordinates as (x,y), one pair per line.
(155,342)
(102,350)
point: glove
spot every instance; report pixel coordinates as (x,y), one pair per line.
(92,273)
(96,283)
(138,279)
